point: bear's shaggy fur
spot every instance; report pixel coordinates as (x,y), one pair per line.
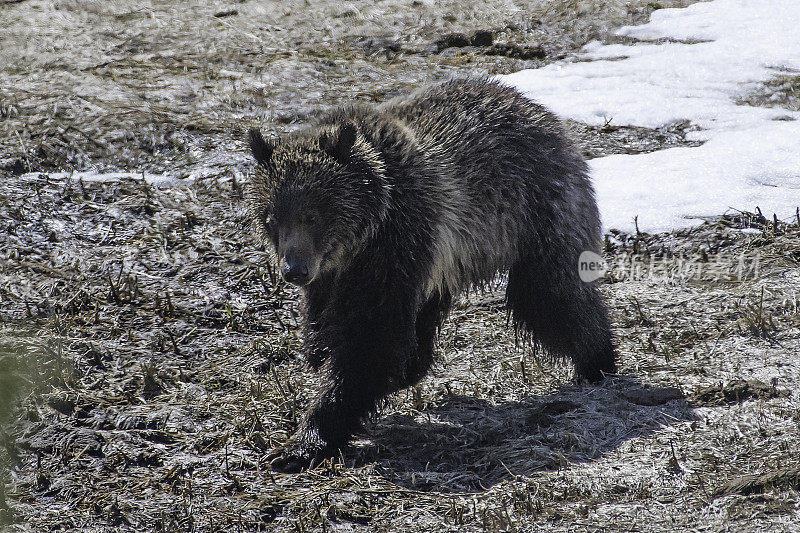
(385,214)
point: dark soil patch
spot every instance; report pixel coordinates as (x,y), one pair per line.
(734,392)
(654,396)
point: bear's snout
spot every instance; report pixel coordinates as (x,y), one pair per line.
(295,270)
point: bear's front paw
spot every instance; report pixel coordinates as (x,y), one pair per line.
(296,455)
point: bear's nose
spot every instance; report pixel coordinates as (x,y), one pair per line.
(296,273)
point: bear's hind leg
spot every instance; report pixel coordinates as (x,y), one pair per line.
(568,317)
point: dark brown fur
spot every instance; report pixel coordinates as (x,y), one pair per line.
(385,214)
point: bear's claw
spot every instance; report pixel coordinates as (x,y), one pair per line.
(287,463)
(293,458)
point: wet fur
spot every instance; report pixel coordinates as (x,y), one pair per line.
(440,191)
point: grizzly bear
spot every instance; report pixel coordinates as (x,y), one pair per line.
(383,215)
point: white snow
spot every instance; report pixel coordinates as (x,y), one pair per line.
(159,180)
(688,64)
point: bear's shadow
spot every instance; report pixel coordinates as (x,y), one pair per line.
(465,444)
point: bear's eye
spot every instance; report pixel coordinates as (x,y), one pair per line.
(310,218)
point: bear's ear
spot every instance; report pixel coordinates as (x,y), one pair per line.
(339,145)
(262,150)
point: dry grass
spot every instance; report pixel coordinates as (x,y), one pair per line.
(169,86)
(149,356)
(166,364)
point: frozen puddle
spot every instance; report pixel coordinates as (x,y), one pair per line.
(688,64)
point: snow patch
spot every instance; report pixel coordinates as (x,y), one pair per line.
(158,180)
(734,170)
(706,55)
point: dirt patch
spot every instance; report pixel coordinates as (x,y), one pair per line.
(654,396)
(734,392)
(781,91)
(597,141)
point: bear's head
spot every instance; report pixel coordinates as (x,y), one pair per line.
(316,197)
